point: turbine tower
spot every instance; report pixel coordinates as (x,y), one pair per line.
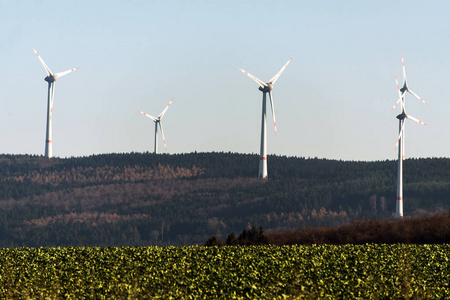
(51,79)
(401,137)
(157,121)
(265,88)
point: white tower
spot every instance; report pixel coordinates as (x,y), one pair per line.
(265,88)
(401,138)
(157,121)
(51,79)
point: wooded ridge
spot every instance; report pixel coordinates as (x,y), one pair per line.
(148,199)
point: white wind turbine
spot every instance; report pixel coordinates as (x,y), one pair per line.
(401,138)
(157,121)
(265,88)
(51,79)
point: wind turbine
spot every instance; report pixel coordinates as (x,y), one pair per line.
(265,88)
(51,79)
(157,121)
(401,137)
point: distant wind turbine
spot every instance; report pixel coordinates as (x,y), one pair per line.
(401,138)
(157,121)
(265,88)
(51,79)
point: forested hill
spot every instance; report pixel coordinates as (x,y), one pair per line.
(148,199)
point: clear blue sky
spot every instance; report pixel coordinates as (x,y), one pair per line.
(332,101)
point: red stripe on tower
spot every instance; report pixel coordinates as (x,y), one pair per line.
(263,158)
(399,198)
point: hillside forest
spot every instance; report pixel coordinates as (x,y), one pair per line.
(139,199)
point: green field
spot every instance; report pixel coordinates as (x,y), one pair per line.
(240,272)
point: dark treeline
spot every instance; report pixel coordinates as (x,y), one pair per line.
(250,237)
(148,199)
(434,229)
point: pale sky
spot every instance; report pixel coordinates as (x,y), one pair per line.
(332,101)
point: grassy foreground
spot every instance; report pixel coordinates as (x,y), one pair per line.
(237,272)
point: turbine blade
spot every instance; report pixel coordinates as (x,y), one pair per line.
(416,120)
(400,135)
(147,115)
(404,71)
(415,95)
(403,103)
(272,81)
(261,83)
(396,103)
(61,74)
(47,69)
(273,112)
(164,111)
(162,133)
(399,94)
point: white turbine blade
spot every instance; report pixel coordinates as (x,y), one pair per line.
(415,95)
(273,112)
(61,74)
(147,115)
(162,133)
(400,135)
(164,111)
(404,71)
(47,69)
(398,87)
(396,103)
(416,120)
(400,95)
(261,83)
(272,81)
(403,103)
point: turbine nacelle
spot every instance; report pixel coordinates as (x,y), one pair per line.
(51,78)
(267,88)
(404,88)
(402,116)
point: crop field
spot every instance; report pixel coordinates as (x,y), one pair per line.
(236,272)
